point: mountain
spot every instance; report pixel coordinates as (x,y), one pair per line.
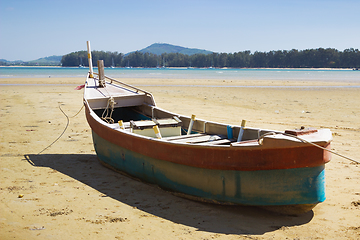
(52,60)
(156,48)
(159,48)
(46,61)
(11,62)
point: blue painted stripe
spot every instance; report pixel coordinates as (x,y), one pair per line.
(266,187)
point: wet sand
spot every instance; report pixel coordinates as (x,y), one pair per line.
(65,193)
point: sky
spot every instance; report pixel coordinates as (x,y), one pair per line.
(32,29)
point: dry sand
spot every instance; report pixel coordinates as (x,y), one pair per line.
(67,194)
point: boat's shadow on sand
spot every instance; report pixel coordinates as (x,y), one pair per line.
(148,198)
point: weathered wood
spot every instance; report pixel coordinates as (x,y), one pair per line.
(142,124)
(219,142)
(198,139)
(100,64)
(90,60)
(184,136)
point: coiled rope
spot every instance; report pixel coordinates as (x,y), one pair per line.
(108,116)
(67,124)
(260,139)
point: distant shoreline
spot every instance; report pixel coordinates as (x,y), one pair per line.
(185,68)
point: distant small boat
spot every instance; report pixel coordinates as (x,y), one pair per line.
(81,63)
(204,160)
(190,67)
(164,63)
(128,66)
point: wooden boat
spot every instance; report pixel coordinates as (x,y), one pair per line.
(204,160)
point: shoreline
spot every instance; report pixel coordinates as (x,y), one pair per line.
(195,86)
(141,81)
(184,68)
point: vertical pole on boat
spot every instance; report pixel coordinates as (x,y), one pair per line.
(191,124)
(229,132)
(241,133)
(100,64)
(121,124)
(157,132)
(90,60)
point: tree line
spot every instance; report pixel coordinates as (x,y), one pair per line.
(309,58)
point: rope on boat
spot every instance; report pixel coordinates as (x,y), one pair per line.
(305,141)
(67,124)
(108,117)
(108,113)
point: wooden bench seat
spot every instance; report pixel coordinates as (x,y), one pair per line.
(199,138)
(168,127)
(183,136)
(220,142)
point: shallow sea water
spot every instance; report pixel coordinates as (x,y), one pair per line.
(345,76)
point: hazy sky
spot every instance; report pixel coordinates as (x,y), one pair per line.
(31,29)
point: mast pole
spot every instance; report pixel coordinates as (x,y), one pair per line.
(89,58)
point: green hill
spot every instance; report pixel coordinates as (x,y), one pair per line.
(46,61)
(156,48)
(52,60)
(159,48)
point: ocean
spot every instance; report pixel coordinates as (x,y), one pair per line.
(345,76)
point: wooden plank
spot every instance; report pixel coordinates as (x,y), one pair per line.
(245,143)
(199,139)
(184,136)
(127,101)
(117,127)
(142,124)
(101,73)
(219,142)
(93,92)
(126,125)
(165,121)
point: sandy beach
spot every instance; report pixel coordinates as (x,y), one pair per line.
(65,193)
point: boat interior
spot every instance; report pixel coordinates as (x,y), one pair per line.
(127,108)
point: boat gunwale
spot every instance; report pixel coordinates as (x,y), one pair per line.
(234,144)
